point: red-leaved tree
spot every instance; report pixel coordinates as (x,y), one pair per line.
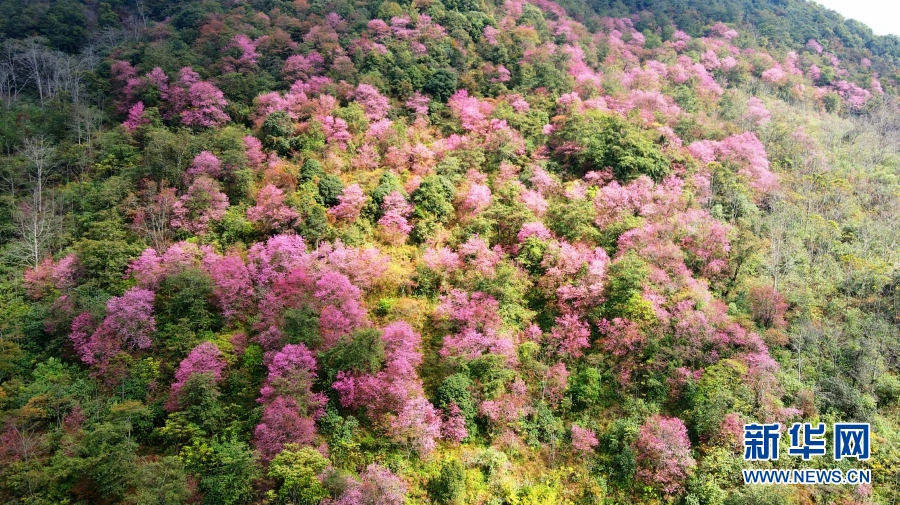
(664,454)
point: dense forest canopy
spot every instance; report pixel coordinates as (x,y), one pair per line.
(442,251)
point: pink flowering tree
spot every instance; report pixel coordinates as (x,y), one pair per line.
(569,336)
(418,104)
(583,439)
(744,150)
(482,258)
(373,103)
(290,405)
(472,112)
(814,46)
(202,205)
(206,163)
(535,202)
(757,113)
(454,426)
(510,407)
(254,151)
(49,275)
(417,426)
(336,133)
(271,260)
(282,424)
(575,275)
(477,198)
(205,105)
(476,321)
(206,358)
(233,287)
(129,324)
(768,307)
(664,454)
(300,66)
(136,117)
(625,343)
(774,75)
(351,202)
(270,211)
(245,49)
(535,229)
(342,309)
(292,371)
(855,96)
(387,390)
(377,486)
(394,222)
(554,384)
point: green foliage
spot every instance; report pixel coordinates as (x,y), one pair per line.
(433,199)
(277,131)
(314,225)
(457,389)
(226,469)
(491,374)
(311,170)
(301,325)
(186,299)
(105,250)
(386,185)
(330,188)
(449,486)
(199,401)
(63,22)
(441,84)
(624,286)
(110,432)
(606,140)
(362,352)
(574,220)
(296,469)
(531,254)
(888,389)
(585,387)
(103,462)
(719,392)
(542,426)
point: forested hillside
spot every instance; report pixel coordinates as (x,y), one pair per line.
(442,252)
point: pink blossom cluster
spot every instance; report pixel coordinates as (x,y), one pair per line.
(395,218)
(747,152)
(60,275)
(128,325)
(664,454)
(206,358)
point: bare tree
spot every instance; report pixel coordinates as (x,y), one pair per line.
(52,72)
(37,221)
(12,79)
(151,213)
(86,122)
(38,153)
(37,231)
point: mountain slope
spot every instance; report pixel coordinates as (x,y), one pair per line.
(298,252)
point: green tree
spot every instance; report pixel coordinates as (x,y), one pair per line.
(296,469)
(330,188)
(607,140)
(441,84)
(449,487)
